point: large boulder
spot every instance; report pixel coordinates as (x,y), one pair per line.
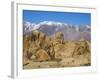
(35,35)
(59,38)
(82,48)
(48,47)
(33,48)
(26,44)
(42,55)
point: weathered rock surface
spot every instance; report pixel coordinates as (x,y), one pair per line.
(46,52)
(42,55)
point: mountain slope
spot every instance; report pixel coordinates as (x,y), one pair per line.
(71,32)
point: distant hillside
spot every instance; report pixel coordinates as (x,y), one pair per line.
(71,32)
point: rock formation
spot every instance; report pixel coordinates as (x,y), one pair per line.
(39,48)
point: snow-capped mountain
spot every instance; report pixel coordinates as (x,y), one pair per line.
(71,32)
(28,26)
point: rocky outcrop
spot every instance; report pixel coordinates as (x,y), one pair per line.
(42,55)
(56,51)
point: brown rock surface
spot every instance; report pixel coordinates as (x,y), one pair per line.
(46,52)
(42,55)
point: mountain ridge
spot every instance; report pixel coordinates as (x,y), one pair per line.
(71,32)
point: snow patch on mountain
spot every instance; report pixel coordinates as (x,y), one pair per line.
(71,32)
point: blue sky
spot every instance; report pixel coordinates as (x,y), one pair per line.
(64,17)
